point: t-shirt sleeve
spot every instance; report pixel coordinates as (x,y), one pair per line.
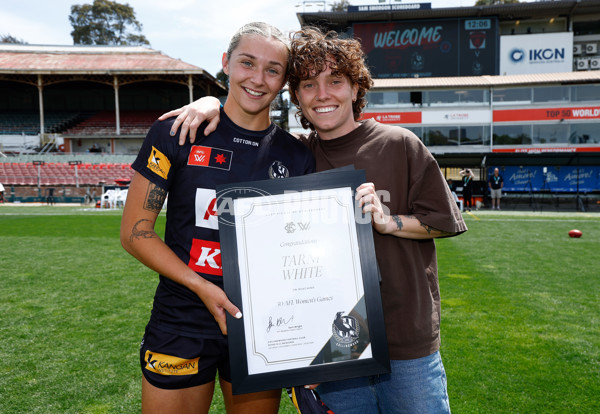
(158,155)
(430,198)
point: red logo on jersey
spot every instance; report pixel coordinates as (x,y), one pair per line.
(206,209)
(199,156)
(211,210)
(205,257)
(210,157)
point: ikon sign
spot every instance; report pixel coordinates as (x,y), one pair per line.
(536,53)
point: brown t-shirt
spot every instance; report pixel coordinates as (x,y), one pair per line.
(396,161)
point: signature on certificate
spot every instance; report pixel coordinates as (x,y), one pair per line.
(278,322)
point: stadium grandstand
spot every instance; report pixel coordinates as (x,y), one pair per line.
(508,86)
(72,118)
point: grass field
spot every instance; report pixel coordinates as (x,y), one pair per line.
(520,313)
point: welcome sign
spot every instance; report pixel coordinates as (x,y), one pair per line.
(430,48)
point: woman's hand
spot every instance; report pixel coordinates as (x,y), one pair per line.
(217,303)
(369,201)
(191,116)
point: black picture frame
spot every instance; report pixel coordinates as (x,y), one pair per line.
(368,310)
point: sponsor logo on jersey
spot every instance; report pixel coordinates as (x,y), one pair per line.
(206,209)
(210,157)
(245,141)
(159,163)
(278,170)
(170,365)
(205,257)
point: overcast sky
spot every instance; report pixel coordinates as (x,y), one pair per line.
(195,31)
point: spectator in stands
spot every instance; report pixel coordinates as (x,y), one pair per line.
(95,148)
(467,185)
(328,82)
(187,324)
(496,182)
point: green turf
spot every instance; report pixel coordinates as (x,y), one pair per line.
(520,313)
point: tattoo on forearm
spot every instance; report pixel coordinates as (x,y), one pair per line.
(398,222)
(430,229)
(155,198)
(138,233)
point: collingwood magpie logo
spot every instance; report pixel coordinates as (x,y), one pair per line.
(278,170)
(345,330)
(417,61)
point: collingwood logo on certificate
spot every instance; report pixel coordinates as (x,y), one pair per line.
(345,330)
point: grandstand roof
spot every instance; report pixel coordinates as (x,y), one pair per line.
(530,10)
(47,59)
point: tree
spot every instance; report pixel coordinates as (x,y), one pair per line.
(340,6)
(222,77)
(7,38)
(105,22)
(493,2)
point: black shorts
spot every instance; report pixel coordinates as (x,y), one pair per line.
(172,361)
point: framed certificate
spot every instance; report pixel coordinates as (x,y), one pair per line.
(298,260)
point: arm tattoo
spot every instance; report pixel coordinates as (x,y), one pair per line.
(155,198)
(398,222)
(138,233)
(429,229)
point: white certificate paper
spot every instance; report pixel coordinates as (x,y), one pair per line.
(300,278)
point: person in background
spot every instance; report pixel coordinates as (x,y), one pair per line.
(50,196)
(328,81)
(496,182)
(467,185)
(185,342)
(1,193)
(452,188)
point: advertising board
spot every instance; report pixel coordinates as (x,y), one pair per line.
(536,53)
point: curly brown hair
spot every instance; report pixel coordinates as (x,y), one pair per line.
(313,50)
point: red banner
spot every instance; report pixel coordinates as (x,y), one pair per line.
(546,114)
(541,150)
(394,117)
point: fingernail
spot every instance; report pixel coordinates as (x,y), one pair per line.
(307,387)
(238,315)
(172,133)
